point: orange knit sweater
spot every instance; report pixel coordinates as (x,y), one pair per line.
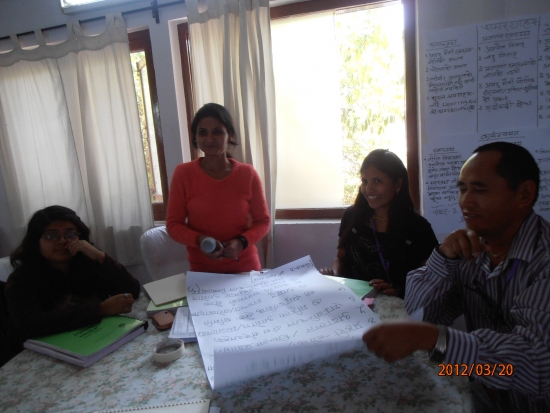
(201,205)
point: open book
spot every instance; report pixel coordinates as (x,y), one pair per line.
(84,346)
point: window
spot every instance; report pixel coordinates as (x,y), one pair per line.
(325,121)
(146,92)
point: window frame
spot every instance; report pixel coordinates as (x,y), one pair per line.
(187,76)
(411,104)
(140,41)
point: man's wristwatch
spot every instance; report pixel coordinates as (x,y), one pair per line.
(438,352)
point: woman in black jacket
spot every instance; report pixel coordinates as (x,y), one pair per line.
(61,281)
(382,237)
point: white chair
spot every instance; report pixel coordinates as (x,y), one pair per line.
(162,255)
(5,269)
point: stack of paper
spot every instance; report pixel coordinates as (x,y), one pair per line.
(182,327)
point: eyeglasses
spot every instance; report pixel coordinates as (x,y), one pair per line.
(55,235)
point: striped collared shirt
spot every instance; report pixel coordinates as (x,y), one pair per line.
(518,334)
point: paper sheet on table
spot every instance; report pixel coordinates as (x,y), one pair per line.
(167,289)
(182,326)
(270,321)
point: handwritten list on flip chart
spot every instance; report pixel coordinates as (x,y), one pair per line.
(451,80)
(490,76)
(482,83)
(544,72)
(259,324)
(507,73)
(443,160)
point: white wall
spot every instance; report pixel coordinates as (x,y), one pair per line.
(296,239)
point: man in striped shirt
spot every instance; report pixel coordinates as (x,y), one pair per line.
(496,272)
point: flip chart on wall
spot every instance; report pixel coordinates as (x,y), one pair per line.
(482,83)
(250,325)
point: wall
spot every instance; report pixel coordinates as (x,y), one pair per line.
(296,239)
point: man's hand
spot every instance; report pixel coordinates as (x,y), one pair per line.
(463,243)
(396,339)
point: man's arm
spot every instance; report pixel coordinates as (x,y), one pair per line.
(433,288)
(430,288)
(525,349)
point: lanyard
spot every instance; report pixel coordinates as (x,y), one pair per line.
(511,274)
(385,264)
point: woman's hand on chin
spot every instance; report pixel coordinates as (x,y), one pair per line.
(87,249)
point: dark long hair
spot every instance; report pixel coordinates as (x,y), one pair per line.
(401,205)
(28,252)
(218,112)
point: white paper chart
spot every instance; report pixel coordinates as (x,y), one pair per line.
(258,324)
(482,83)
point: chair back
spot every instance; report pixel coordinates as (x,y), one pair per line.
(162,255)
(5,269)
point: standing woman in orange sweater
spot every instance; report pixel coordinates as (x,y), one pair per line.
(216,196)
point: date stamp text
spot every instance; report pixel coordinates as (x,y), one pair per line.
(477,368)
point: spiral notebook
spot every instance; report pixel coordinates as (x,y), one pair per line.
(198,406)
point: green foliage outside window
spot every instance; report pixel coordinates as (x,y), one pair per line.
(372,89)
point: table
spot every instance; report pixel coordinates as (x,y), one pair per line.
(353,382)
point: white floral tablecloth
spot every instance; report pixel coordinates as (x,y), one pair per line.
(353,382)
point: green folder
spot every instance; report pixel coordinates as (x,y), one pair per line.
(359,287)
(84,346)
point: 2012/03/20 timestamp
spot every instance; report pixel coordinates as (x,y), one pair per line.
(478,369)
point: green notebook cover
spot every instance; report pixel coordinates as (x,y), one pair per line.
(88,340)
(359,287)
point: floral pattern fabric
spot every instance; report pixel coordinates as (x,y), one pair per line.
(129,378)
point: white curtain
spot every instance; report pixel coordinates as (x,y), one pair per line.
(70,135)
(231,64)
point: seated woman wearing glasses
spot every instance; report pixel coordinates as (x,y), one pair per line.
(61,281)
(382,238)
(215,196)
